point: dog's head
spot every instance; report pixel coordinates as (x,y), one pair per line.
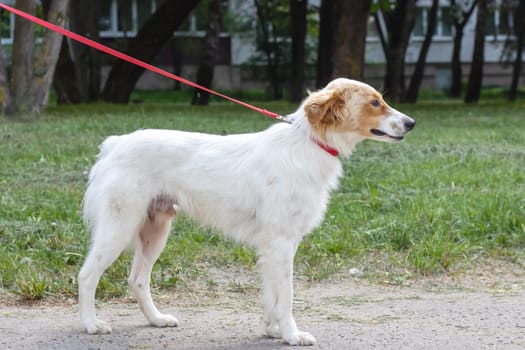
(351,107)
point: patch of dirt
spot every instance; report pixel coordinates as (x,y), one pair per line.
(481,309)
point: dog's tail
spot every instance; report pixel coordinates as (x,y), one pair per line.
(104,149)
(108,145)
(91,200)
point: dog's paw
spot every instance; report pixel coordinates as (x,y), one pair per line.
(164,320)
(98,327)
(299,338)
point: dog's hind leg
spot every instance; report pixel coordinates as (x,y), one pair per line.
(276,266)
(152,239)
(106,247)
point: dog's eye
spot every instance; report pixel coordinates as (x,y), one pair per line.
(375,103)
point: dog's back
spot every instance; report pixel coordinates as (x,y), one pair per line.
(239,184)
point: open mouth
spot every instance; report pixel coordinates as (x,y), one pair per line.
(378,132)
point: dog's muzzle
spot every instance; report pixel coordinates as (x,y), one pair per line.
(394,130)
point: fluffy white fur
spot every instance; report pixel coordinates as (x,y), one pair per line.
(267,189)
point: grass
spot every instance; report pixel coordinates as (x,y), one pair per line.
(449,196)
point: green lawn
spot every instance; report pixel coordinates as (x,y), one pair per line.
(450,196)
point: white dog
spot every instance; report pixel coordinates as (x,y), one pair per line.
(267,189)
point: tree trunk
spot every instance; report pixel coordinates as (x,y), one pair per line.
(476,70)
(89,59)
(6,100)
(66,81)
(157,30)
(298,32)
(32,76)
(456,70)
(177,61)
(349,45)
(22,58)
(519,25)
(269,46)
(77,76)
(419,70)
(209,51)
(324,66)
(380,33)
(45,62)
(399,23)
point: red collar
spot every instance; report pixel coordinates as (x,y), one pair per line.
(330,150)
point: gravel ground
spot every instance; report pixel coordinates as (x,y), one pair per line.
(442,313)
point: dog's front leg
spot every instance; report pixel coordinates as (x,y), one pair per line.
(276,265)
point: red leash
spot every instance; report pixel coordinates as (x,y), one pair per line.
(135,61)
(127,58)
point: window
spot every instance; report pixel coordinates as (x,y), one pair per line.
(420,26)
(444,23)
(123,18)
(500,23)
(371,30)
(7,26)
(196,23)
(119,18)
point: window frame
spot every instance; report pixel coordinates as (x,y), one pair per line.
(114,32)
(495,12)
(8,39)
(438,33)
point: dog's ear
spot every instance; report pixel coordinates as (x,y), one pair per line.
(325,108)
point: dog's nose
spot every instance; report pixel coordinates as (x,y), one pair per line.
(410,123)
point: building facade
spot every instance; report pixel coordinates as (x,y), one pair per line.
(235,58)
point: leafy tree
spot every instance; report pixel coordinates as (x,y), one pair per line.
(298,26)
(519,28)
(152,36)
(32,68)
(348,54)
(478,56)
(399,20)
(279,44)
(77,75)
(417,76)
(272,19)
(6,100)
(462,11)
(209,50)
(341,52)
(325,65)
